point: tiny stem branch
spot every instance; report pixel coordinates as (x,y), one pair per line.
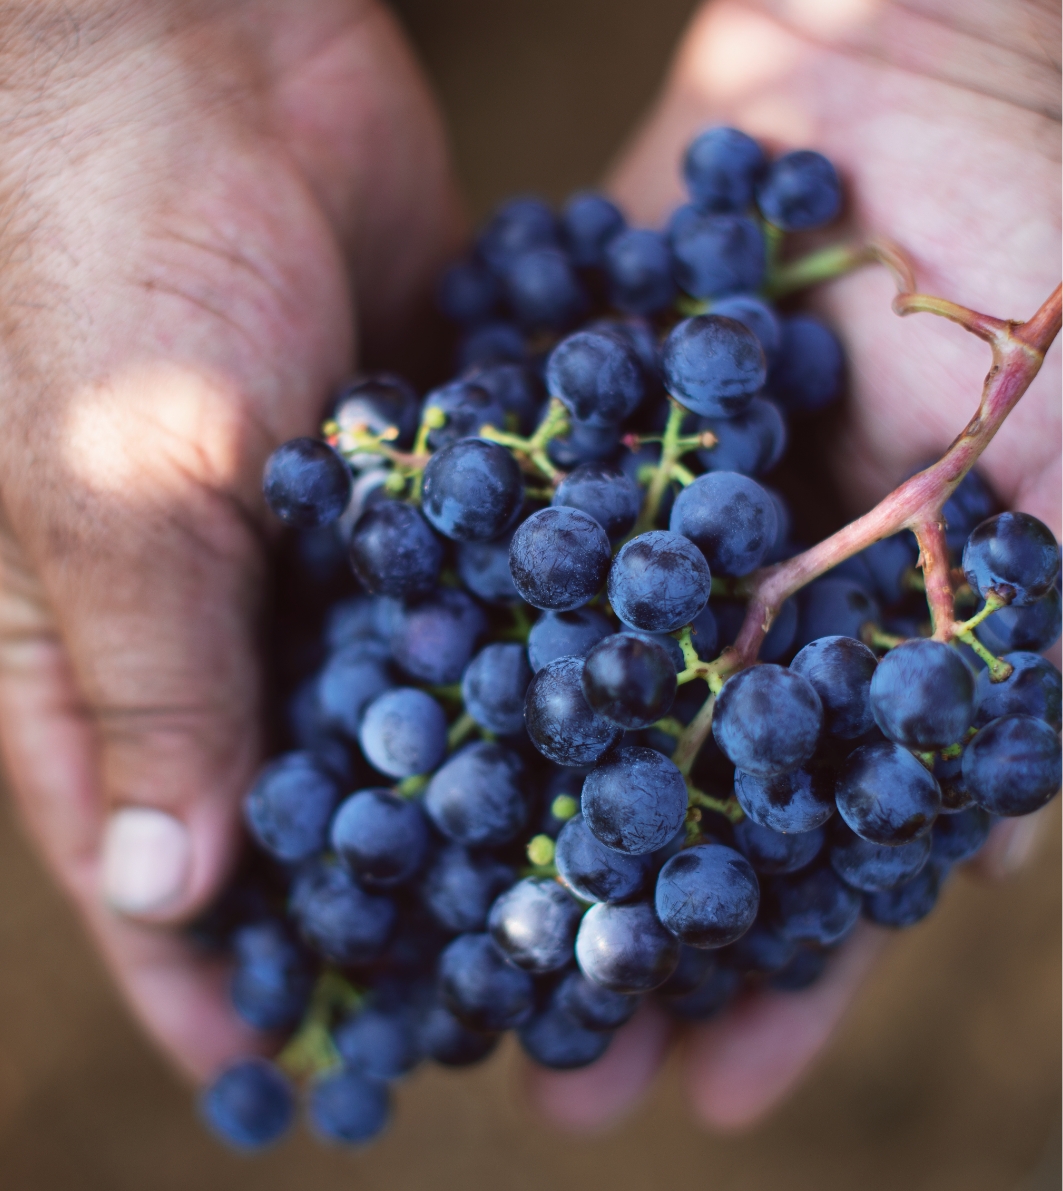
(728,807)
(693,737)
(671,449)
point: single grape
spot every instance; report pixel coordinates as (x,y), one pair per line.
(492,343)
(465,408)
(472,490)
(772,852)
(708,999)
(629,680)
(796,801)
(483,568)
(588,222)
(806,967)
(534,924)
(958,837)
(886,795)
(468,293)
(971,503)
(595,872)
(1032,688)
(565,634)
(433,639)
(543,290)
(695,964)
(351,679)
(922,695)
(380,1043)
(634,800)
(394,552)
(875,867)
(555,1039)
(730,519)
(1013,555)
(624,948)
(273,977)
(516,388)
(475,799)
(707,896)
(659,582)
(594,1007)
(559,559)
(379,403)
(833,607)
(380,837)
(761,951)
(348,1107)
(717,255)
(806,374)
(721,167)
(1031,629)
(767,720)
(750,443)
(516,226)
(249,1105)
(361,622)
(814,906)
(604,493)
(444,1039)
(800,190)
(713,366)
(494,685)
(289,807)
(336,917)
(459,886)
(755,314)
(639,335)
(638,265)
(731,615)
(906,905)
(306,483)
(840,669)
(1012,765)
(484,991)
(404,732)
(559,720)
(888,562)
(596,377)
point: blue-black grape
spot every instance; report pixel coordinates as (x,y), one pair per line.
(908,903)
(1012,765)
(886,795)
(594,1007)
(588,222)
(772,852)
(695,963)
(381,1043)
(800,190)
(475,799)
(604,493)
(534,924)
(755,314)
(635,800)
(306,483)
(1033,628)
(721,167)
(874,867)
(971,503)
(778,641)
(516,226)
(468,293)
(492,343)
(1034,687)
(704,634)
(403,733)
(582,443)
(806,374)
(466,409)
(559,558)
(378,403)
(493,687)
(336,917)
(394,551)
(595,872)
(347,1106)
(840,669)
(289,807)
(444,1039)
(804,969)
(767,720)
(638,265)
(922,695)
(958,837)
(381,837)
(717,255)
(624,948)
(714,366)
(472,490)
(482,989)
(561,724)
(710,997)
(516,388)
(1013,555)
(554,1038)
(730,518)
(249,1105)
(433,639)
(565,634)
(707,896)
(543,290)
(596,376)
(798,800)
(814,906)
(763,950)
(351,679)
(834,607)
(273,976)
(751,442)
(659,582)
(629,680)
(459,886)
(483,568)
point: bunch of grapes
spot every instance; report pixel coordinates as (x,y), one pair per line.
(534,776)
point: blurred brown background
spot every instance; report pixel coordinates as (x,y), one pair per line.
(946,1073)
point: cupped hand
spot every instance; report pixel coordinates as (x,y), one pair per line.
(199,204)
(943,121)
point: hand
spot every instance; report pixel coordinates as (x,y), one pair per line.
(199,204)
(944,135)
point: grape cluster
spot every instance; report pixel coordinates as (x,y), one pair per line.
(487,819)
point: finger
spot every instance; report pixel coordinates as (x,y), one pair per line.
(594,1097)
(741,1064)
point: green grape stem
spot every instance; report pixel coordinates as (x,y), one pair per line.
(531,452)
(310,1051)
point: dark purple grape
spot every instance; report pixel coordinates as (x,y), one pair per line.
(750,443)
(629,680)
(472,490)
(708,999)
(695,964)
(624,948)
(459,886)
(604,493)
(492,343)
(638,265)
(886,795)
(596,376)
(517,388)
(767,720)
(289,807)
(806,374)
(1033,628)
(761,951)
(484,991)
(707,896)
(534,924)
(475,798)
(955,797)
(381,1043)
(772,852)
(814,906)
(594,1007)
(403,733)
(1013,555)
(543,290)
(559,559)
(444,1039)
(594,872)
(468,293)
(565,634)
(730,518)
(755,314)
(394,552)
(958,837)
(800,190)
(483,567)
(588,222)
(1032,688)
(875,867)
(840,669)
(517,225)
(466,409)
(336,917)
(908,904)
(806,967)
(635,800)
(249,1105)
(381,837)
(555,1039)
(834,607)
(306,483)
(659,582)
(798,800)
(717,255)
(714,366)
(432,640)
(273,976)
(494,685)
(1012,765)
(348,1107)
(379,402)
(559,720)
(922,695)
(721,167)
